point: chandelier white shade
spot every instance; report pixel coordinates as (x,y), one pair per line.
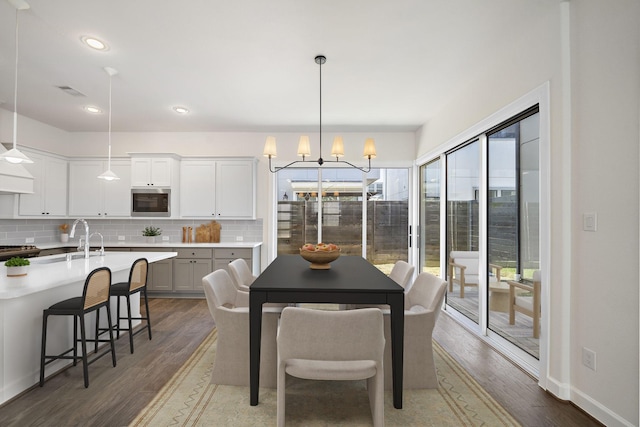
(108,175)
(14,155)
(304,148)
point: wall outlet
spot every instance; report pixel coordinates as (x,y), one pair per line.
(239,238)
(589,358)
(165,238)
(121,238)
(29,240)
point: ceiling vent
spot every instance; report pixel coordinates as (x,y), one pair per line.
(71,91)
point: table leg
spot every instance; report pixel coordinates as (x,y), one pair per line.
(256,299)
(396,302)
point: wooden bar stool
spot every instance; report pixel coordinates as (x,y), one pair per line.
(95,295)
(137,283)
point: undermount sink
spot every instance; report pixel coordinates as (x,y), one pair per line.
(60,258)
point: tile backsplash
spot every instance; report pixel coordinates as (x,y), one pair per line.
(42,231)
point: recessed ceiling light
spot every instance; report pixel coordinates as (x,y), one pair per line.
(94,43)
(92,109)
(180,110)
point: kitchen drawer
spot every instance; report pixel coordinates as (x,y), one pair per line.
(194,253)
(233,253)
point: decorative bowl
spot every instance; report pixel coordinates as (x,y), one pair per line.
(320,259)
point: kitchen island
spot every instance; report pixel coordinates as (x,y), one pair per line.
(22,299)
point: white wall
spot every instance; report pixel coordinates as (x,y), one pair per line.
(594,140)
(32,133)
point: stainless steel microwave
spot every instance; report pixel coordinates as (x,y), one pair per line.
(151,202)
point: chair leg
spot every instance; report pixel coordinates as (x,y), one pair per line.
(75,341)
(44,346)
(118,317)
(111,342)
(146,305)
(130,323)
(95,345)
(83,338)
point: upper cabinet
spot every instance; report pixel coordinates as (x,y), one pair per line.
(218,189)
(49,196)
(93,197)
(154,171)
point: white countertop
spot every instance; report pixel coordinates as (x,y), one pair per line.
(44,274)
(130,244)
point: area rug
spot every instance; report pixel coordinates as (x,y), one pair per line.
(189,399)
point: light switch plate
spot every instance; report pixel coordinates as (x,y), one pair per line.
(239,238)
(165,238)
(29,240)
(121,238)
(590,221)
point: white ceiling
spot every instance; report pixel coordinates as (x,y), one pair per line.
(248,65)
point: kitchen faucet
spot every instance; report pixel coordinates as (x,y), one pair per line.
(86,235)
(101,242)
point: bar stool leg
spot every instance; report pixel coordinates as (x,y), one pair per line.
(95,346)
(85,367)
(113,346)
(44,346)
(146,305)
(75,340)
(130,323)
(118,317)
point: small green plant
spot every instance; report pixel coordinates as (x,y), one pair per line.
(17,262)
(150,231)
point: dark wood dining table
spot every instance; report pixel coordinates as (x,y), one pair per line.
(350,280)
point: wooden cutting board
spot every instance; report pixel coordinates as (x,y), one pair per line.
(208,233)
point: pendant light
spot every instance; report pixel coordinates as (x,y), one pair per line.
(14,155)
(337,150)
(109,175)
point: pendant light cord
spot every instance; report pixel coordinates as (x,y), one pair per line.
(320,159)
(109,159)
(15,91)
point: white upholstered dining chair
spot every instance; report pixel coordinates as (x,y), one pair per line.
(241,274)
(423,303)
(332,345)
(229,308)
(401,273)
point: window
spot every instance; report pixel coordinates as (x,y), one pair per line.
(343,195)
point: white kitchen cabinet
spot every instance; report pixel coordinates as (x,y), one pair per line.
(189,267)
(153,171)
(93,197)
(220,189)
(49,196)
(197,183)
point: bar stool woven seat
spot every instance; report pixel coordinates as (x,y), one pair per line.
(137,283)
(95,295)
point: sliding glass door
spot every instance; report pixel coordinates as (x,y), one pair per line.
(430,217)
(513,226)
(492,228)
(463,224)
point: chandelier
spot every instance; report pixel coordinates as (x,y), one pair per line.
(304,150)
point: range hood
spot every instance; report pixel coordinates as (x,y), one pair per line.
(14,178)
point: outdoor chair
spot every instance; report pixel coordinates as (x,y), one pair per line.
(464,269)
(528,304)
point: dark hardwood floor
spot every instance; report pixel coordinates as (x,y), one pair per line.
(116,395)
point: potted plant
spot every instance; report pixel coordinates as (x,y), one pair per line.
(64,235)
(150,232)
(17,266)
